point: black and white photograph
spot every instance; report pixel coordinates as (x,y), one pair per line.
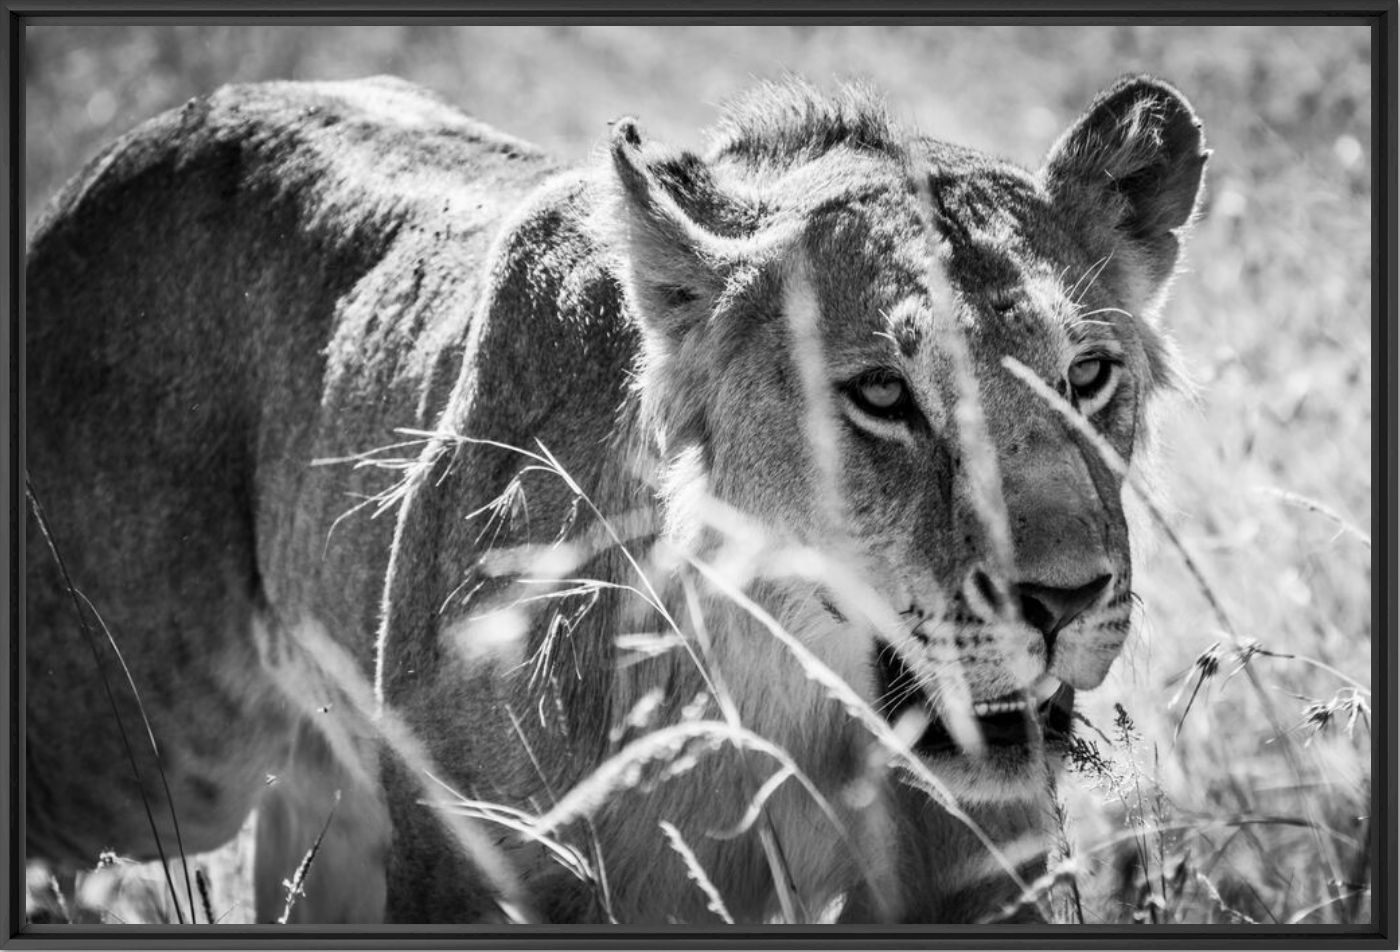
(711,476)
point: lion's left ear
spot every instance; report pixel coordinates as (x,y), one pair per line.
(668,219)
(1135,161)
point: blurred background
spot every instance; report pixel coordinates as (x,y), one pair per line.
(1188,806)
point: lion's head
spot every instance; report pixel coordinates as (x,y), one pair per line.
(828,304)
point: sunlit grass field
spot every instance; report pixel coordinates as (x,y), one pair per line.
(1189,807)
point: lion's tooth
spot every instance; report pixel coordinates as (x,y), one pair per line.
(988,708)
(1045,688)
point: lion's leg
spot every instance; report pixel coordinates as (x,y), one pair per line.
(96,779)
(315,795)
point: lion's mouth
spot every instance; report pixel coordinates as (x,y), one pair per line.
(1013,720)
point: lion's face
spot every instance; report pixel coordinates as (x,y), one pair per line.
(848,384)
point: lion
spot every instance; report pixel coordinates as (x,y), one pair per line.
(668,539)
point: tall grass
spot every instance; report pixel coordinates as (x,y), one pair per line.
(1146,865)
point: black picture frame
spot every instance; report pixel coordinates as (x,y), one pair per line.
(1380,15)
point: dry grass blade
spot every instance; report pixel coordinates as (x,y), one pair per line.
(755,808)
(1348,896)
(1209,888)
(696,872)
(1312,505)
(1252,648)
(1066,860)
(79,599)
(980,457)
(296,886)
(1205,667)
(667,744)
(981,467)
(517,821)
(385,500)
(803,312)
(202,881)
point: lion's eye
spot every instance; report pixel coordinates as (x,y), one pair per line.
(1086,374)
(1091,381)
(880,394)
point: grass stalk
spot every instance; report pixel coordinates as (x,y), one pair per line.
(79,600)
(296,886)
(696,872)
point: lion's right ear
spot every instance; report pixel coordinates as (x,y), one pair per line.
(673,262)
(1134,161)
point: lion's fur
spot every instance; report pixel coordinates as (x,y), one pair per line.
(288,273)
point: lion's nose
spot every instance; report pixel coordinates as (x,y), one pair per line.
(1049,609)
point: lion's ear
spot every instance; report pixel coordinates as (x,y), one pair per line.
(1134,160)
(673,258)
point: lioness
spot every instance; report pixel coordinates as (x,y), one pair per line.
(424,484)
